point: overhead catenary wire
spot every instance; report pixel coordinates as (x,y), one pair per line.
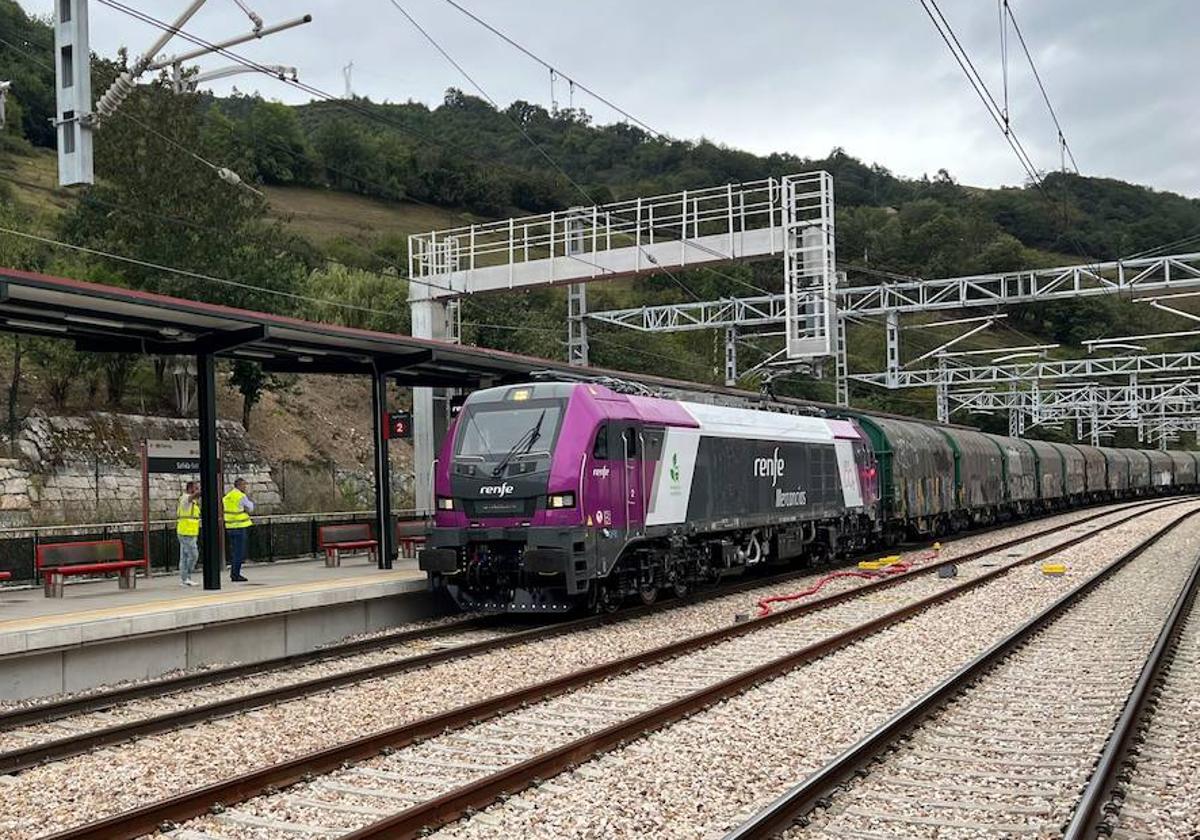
(196,275)
(1166,246)
(601,337)
(541,150)
(963,59)
(1042,87)
(408,129)
(224,173)
(91,198)
(290,295)
(980,88)
(44,64)
(555,71)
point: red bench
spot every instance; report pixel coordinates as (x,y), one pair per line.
(411,535)
(57,561)
(334,539)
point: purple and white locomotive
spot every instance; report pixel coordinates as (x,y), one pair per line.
(554,495)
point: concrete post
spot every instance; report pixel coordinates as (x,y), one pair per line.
(429,414)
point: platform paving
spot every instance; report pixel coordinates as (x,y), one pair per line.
(97,610)
(98,634)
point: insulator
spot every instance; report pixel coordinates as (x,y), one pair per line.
(121,87)
(229,176)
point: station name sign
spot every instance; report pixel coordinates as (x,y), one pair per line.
(173,456)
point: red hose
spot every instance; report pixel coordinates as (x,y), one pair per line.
(764,605)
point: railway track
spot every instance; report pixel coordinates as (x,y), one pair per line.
(53,731)
(1147,785)
(1004,746)
(427,773)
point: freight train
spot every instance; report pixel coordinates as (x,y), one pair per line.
(552,496)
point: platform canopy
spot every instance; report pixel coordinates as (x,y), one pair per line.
(110,319)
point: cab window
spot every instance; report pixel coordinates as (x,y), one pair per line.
(629,442)
(653,439)
(600,448)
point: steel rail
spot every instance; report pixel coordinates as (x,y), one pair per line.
(817,789)
(450,806)
(25,757)
(190,804)
(98,700)
(1089,819)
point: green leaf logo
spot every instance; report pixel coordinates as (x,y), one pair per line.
(674,471)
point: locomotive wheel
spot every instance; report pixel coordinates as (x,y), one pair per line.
(606,601)
(648,594)
(680,588)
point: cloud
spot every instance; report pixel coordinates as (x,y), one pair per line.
(871,76)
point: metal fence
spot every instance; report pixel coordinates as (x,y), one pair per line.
(272,538)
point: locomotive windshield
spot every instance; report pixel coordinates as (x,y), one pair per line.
(505,432)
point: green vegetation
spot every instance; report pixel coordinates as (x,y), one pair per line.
(338,187)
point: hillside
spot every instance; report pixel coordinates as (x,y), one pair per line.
(345,183)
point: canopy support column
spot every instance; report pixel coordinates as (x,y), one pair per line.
(384,530)
(210,477)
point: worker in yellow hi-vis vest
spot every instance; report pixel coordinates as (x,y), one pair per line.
(238,507)
(187,528)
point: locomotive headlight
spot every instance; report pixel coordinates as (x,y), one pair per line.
(561,500)
(445,503)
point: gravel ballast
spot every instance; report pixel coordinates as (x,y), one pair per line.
(1013,752)
(1162,798)
(702,776)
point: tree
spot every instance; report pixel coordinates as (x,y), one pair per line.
(252,382)
(358,298)
(31,102)
(271,139)
(350,158)
(156,203)
(59,365)
(118,371)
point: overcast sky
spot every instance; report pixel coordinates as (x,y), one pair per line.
(800,76)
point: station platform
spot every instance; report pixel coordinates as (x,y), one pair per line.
(100,634)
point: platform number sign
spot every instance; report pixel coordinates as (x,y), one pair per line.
(399,425)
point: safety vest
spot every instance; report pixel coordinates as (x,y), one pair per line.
(187,519)
(235,517)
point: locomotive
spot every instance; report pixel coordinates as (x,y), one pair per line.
(555,495)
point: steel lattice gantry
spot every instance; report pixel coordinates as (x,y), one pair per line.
(1067,402)
(1157,409)
(1135,277)
(1148,274)
(790,217)
(953,375)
